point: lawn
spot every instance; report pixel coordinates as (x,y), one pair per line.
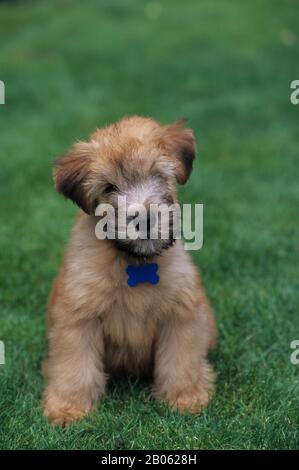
(70,66)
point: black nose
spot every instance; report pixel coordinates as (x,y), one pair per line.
(147,222)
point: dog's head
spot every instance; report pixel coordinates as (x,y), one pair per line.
(137,158)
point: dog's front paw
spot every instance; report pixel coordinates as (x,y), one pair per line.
(192,401)
(62,412)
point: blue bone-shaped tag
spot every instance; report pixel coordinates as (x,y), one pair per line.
(143,273)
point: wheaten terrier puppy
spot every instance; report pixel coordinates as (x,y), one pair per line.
(98,323)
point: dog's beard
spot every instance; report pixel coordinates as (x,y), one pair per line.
(145,235)
(143,249)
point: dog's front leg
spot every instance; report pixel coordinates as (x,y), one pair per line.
(74,370)
(183,376)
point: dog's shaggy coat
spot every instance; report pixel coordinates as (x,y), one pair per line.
(97,324)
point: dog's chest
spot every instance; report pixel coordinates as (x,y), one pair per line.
(129,329)
(131,315)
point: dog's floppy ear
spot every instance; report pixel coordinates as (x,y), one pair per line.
(71,175)
(180,144)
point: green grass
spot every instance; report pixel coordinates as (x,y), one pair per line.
(70,66)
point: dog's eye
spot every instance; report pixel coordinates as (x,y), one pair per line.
(110,188)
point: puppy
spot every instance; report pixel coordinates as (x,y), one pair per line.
(99,325)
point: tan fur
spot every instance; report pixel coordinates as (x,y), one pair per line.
(97,324)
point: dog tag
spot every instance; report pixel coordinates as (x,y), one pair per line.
(142,273)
